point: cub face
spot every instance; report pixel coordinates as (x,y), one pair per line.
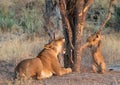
(94,39)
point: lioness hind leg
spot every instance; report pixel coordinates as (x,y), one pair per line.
(64,71)
(38,76)
(20,76)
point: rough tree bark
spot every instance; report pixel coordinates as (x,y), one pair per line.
(82,7)
(48,14)
(73,14)
(67,32)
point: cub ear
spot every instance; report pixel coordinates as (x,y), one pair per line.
(46,46)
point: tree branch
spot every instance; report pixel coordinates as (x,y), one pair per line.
(108,16)
(86,7)
(62,7)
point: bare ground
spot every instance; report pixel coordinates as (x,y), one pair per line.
(85,77)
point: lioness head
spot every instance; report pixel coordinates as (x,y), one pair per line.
(56,45)
(94,39)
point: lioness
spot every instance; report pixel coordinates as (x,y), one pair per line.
(45,64)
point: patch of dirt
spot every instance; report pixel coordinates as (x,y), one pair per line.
(84,78)
(110,78)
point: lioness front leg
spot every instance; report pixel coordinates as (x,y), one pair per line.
(44,74)
(58,70)
(63,71)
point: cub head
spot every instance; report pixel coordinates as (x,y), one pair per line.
(56,45)
(94,39)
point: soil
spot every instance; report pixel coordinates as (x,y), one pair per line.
(85,77)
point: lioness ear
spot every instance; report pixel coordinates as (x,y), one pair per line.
(47,46)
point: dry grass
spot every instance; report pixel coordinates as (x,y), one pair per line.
(5,4)
(104,3)
(111,48)
(19,47)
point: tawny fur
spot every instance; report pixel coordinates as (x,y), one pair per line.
(98,63)
(45,64)
(94,39)
(94,42)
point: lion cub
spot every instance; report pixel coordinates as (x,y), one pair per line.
(45,64)
(98,63)
(94,42)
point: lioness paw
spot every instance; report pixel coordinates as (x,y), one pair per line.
(69,70)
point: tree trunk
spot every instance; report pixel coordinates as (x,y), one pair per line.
(78,33)
(81,10)
(48,14)
(73,15)
(67,33)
